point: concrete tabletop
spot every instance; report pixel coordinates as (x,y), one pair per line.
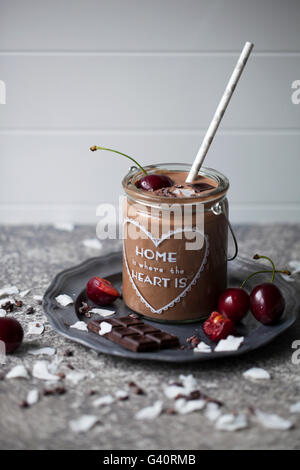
(30,257)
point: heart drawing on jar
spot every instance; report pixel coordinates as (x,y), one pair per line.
(161,270)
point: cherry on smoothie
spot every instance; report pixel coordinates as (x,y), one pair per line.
(11,333)
(153,182)
(218,326)
(234,303)
(266,300)
(101,291)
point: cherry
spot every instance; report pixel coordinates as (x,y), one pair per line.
(11,333)
(267,303)
(101,291)
(153,182)
(218,326)
(234,303)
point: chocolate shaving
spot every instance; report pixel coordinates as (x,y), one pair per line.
(136,389)
(29,311)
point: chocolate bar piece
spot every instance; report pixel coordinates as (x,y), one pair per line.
(135,335)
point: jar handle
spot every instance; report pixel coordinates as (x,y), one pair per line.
(218,209)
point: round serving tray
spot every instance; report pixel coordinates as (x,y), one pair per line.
(72,282)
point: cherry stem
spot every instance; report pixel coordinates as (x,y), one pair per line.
(269,259)
(283,271)
(94,148)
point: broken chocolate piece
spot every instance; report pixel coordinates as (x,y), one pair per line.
(199,187)
(135,335)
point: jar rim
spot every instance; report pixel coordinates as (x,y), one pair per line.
(133,192)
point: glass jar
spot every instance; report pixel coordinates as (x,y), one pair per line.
(175,249)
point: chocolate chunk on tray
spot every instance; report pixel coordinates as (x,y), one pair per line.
(135,335)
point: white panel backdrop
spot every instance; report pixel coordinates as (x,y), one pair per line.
(145,77)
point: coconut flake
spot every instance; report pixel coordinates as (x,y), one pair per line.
(2,313)
(212,411)
(40,371)
(272,421)
(83,424)
(64,300)
(35,328)
(42,351)
(231,422)
(79,325)
(150,412)
(183,406)
(202,348)
(76,376)
(17,372)
(92,243)
(23,293)
(102,312)
(189,382)
(173,390)
(64,226)
(121,395)
(295,266)
(295,408)
(184,192)
(256,373)
(105,327)
(38,298)
(231,343)
(8,290)
(32,397)
(102,401)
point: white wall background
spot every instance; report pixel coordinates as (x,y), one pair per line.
(145,77)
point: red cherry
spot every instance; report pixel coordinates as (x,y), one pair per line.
(101,291)
(267,303)
(153,182)
(217,326)
(234,303)
(11,333)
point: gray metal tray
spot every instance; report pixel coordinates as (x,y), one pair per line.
(72,282)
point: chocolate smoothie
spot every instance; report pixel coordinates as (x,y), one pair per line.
(175,245)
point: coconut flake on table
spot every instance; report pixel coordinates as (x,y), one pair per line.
(231,343)
(103,401)
(38,298)
(8,290)
(121,395)
(212,411)
(64,300)
(79,325)
(64,226)
(92,243)
(32,397)
(173,390)
(102,312)
(35,328)
(202,348)
(295,408)
(150,412)
(189,382)
(256,373)
(183,406)
(273,421)
(2,313)
(23,293)
(47,351)
(17,372)
(83,424)
(105,327)
(231,422)
(40,371)
(76,376)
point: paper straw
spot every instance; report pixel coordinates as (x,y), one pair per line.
(219,112)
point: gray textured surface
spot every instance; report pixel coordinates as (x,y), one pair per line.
(30,257)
